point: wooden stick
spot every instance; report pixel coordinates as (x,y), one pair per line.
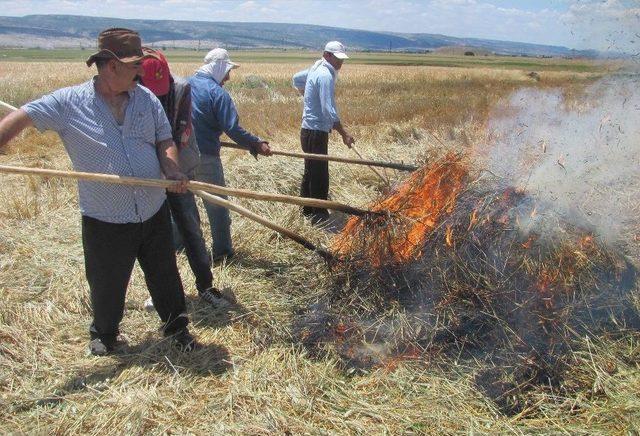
(256,195)
(383,178)
(214,199)
(159,183)
(8,106)
(371,163)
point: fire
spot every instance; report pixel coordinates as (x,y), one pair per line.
(412,352)
(419,203)
(546,286)
(341,329)
(449,236)
(586,242)
(473,219)
(527,245)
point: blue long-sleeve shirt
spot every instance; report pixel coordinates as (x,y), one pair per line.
(320,111)
(300,79)
(213,113)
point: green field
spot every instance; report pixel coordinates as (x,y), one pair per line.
(294,56)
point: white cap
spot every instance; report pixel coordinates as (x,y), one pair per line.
(219,55)
(337,49)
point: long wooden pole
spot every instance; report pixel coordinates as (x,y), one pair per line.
(245,193)
(377,173)
(324,157)
(159,183)
(360,161)
(214,199)
(8,106)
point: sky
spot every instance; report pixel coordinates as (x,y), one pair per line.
(612,25)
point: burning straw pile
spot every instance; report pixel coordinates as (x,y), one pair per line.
(457,271)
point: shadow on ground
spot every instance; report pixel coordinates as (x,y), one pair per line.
(204,314)
(154,354)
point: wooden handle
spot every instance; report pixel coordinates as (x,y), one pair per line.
(373,163)
(214,199)
(8,106)
(376,172)
(159,183)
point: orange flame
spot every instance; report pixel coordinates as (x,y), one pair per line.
(341,329)
(545,286)
(527,245)
(420,201)
(449,236)
(586,242)
(473,219)
(392,363)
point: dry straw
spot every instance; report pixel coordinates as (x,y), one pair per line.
(253,377)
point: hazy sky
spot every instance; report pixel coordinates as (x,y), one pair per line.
(599,24)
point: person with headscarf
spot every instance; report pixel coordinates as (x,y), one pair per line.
(174,94)
(214,113)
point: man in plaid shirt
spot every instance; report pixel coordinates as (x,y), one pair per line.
(112,125)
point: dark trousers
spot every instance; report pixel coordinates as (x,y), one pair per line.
(110,251)
(315,180)
(186,218)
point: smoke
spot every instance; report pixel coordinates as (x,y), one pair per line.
(578,157)
(607,25)
(478,292)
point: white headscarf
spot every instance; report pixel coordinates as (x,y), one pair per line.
(216,69)
(217,64)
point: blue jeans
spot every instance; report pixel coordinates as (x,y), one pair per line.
(186,219)
(210,171)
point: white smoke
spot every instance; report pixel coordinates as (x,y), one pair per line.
(607,25)
(579,158)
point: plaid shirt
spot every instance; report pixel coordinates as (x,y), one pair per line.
(96,143)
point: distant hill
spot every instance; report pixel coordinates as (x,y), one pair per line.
(58,31)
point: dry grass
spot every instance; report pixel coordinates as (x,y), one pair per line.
(252,378)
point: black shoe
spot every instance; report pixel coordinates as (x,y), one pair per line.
(101,347)
(184,341)
(223,258)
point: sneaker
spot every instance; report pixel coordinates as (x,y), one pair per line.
(100,347)
(184,341)
(148,305)
(215,298)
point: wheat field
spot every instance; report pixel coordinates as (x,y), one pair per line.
(252,377)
